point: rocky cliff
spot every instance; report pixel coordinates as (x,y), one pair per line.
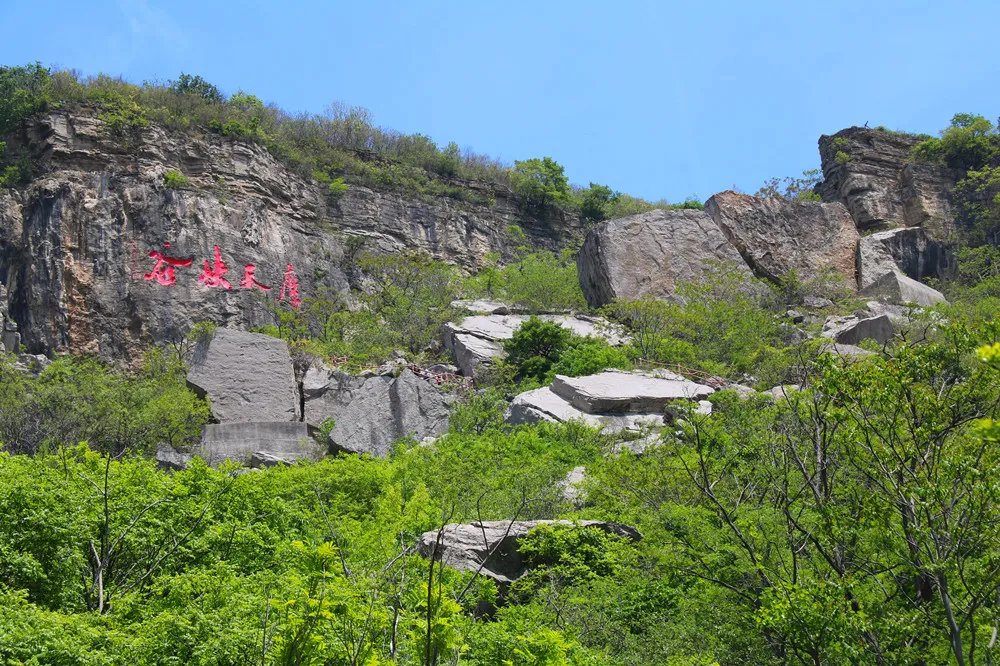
(870,172)
(100,255)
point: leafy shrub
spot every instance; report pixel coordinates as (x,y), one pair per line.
(540,181)
(535,347)
(175,180)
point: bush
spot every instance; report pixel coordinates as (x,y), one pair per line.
(540,181)
(535,347)
(175,180)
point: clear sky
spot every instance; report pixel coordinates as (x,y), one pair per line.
(658,99)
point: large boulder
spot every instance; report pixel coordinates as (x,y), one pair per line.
(650,254)
(372,413)
(245,376)
(476,341)
(775,235)
(543,404)
(490,548)
(910,251)
(287,440)
(852,330)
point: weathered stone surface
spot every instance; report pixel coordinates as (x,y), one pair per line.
(897,288)
(262,459)
(866,169)
(543,405)
(74,243)
(482,306)
(650,254)
(288,440)
(246,377)
(572,486)
(615,392)
(169,458)
(491,548)
(910,251)
(852,330)
(374,414)
(782,392)
(776,236)
(927,198)
(845,351)
(477,340)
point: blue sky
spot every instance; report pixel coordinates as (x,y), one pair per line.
(658,99)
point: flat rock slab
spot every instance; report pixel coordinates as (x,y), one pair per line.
(245,376)
(614,392)
(287,440)
(542,404)
(491,547)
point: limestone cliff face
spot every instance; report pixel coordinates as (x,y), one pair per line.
(868,170)
(75,243)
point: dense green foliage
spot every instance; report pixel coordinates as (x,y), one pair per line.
(82,400)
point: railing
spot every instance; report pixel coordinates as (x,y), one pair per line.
(697,375)
(443,379)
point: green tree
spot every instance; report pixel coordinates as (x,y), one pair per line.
(540,181)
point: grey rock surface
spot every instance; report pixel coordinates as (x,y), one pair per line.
(246,377)
(542,404)
(491,547)
(899,289)
(910,251)
(262,459)
(845,351)
(852,330)
(373,414)
(288,440)
(650,254)
(572,486)
(775,235)
(169,458)
(616,391)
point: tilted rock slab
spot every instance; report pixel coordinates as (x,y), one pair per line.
(476,341)
(650,254)
(776,236)
(897,288)
(246,377)
(852,330)
(490,547)
(910,251)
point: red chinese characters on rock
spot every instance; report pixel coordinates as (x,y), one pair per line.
(213,277)
(249,281)
(291,285)
(163,271)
